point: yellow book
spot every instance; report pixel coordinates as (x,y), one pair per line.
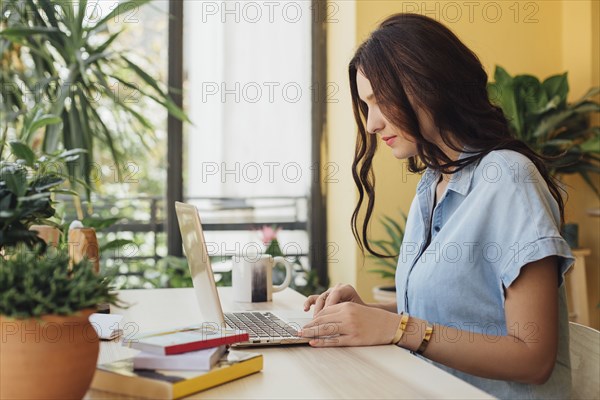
(120,377)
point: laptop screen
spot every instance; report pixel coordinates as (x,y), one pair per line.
(199,263)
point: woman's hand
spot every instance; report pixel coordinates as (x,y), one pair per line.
(351,324)
(337,294)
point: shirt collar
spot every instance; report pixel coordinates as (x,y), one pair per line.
(460,182)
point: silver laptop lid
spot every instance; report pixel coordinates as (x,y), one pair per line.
(199,263)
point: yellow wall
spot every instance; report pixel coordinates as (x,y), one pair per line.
(580,57)
(539,37)
(339,131)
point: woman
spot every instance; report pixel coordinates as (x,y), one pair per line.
(480,271)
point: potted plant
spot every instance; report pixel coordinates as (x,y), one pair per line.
(389,247)
(539,115)
(49,348)
(27,183)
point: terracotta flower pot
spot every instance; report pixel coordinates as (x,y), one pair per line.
(53,357)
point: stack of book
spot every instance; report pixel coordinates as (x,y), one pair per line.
(178,363)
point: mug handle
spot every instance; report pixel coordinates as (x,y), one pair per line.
(288,274)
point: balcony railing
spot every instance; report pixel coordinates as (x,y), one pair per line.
(143,221)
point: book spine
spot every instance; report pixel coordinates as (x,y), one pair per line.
(218,377)
(146,347)
(205,344)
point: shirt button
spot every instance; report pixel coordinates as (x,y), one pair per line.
(436,228)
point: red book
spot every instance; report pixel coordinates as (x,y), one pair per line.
(185,339)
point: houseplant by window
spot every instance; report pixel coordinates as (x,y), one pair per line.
(64,55)
(27,183)
(49,349)
(390,246)
(539,115)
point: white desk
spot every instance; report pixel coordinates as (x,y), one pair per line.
(294,372)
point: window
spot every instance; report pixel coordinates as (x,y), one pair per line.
(247,69)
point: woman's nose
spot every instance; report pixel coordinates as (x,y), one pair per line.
(374,124)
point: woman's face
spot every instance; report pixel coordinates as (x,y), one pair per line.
(401,143)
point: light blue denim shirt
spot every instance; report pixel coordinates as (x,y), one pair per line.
(495,216)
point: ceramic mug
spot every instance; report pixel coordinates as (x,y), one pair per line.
(252,278)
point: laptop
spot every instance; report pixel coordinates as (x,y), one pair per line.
(263,327)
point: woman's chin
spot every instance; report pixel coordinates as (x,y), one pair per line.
(403,154)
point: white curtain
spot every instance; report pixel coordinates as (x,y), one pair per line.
(248,93)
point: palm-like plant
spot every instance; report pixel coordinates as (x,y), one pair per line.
(540,115)
(51,52)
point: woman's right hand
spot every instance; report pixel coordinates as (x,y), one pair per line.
(337,294)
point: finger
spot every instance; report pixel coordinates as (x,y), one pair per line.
(310,301)
(326,318)
(334,297)
(330,310)
(322,321)
(325,329)
(336,341)
(320,303)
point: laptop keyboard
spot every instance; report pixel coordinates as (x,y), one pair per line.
(260,325)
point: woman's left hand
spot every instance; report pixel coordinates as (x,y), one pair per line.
(351,324)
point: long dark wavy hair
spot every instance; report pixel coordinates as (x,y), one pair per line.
(411,53)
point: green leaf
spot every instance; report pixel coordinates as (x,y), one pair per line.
(102,48)
(36,196)
(590,93)
(144,75)
(530,98)
(46,182)
(552,123)
(99,223)
(23,152)
(93,115)
(33,284)
(81,15)
(116,244)
(44,120)
(394,225)
(384,274)
(167,102)
(66,191)
(557,85)
(16,181)
(504,96)
(384,246)
(51,139)
(592,145)
(24,32)
(501,76)
(585,107)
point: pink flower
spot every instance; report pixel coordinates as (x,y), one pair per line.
(269,234)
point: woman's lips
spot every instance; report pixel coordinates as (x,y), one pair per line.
(389,140)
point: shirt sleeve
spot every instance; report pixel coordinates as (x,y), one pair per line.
(532,220)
